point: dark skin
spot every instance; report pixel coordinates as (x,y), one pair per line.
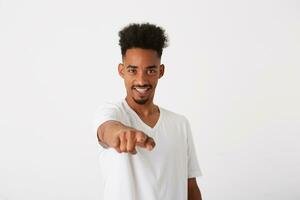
(140,70)
(193,190)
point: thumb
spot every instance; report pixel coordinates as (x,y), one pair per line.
(150,144)
(141,137)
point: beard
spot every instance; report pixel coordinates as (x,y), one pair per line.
(140,101)
(143,100)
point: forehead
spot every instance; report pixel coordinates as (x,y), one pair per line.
(141,57)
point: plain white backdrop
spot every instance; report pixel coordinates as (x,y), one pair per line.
(232,68)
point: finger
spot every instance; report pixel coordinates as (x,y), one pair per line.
(116,144)
(140,136)
(118,149)
(131,140)
(150,144)
(141,144)
(123,142)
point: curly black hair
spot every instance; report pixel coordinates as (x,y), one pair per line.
(145,36)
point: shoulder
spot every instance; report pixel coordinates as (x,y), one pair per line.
(108,110)
(178,123)
(110,105)
(175,117)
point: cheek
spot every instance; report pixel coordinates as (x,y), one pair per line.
(128,84)
(154,81)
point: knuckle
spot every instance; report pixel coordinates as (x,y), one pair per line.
(121,135)
(142,136)
(124,133)
(122,149)
(131,134)
(114,144)
(130,149)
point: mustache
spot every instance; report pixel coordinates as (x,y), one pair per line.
(142,86)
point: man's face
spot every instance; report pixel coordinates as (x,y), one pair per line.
(141,70)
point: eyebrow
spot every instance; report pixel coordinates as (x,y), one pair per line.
(131,66)
(149,67)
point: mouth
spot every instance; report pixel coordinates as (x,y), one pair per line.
(142,90)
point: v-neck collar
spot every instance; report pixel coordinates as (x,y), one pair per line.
(141,121)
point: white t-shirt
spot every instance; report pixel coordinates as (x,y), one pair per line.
(160,174)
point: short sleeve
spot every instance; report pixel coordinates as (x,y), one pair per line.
(103,113)
(193,164)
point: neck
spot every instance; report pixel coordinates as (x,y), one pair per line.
(146,109)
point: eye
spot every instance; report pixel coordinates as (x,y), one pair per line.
(152,71)
(131,71)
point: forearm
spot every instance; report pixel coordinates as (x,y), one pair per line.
(194,194)
(193,189)
(123,138)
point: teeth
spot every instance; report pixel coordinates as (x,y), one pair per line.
(141,90)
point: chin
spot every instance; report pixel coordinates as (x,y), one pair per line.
(140,101)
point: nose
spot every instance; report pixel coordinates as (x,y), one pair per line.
(141,78)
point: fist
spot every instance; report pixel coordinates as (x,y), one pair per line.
(127,139)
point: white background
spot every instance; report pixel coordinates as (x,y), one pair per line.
(232,68)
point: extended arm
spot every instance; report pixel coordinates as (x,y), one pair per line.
(123,138)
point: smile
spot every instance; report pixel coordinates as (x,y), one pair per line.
(142,91)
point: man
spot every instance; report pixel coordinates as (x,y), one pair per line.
(147,151)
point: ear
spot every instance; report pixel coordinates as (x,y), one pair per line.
(121,70)
(161,70)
